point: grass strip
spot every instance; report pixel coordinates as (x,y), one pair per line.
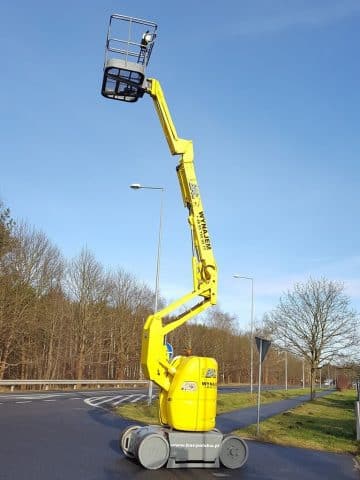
(327,424)
(227,402)
(140,412)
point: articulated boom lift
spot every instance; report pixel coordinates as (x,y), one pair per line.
(188,384)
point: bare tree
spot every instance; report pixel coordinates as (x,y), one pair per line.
(34,260)
(316,322)
(6,227)
(29,267)
(87,287)
(131,303)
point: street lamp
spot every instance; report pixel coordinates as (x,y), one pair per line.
(138,186)
(251,329)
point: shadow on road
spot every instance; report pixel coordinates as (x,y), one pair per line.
(109,419)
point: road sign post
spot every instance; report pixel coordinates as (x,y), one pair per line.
(263,347)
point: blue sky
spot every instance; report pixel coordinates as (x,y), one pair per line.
(268,92)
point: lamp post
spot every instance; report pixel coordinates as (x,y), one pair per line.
(251,329)
(138,186)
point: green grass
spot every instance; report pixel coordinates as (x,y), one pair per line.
(226,402)
(327,423)
(140,412)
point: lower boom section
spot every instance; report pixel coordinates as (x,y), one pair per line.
(156,446)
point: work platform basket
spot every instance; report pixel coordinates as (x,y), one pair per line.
(128,48)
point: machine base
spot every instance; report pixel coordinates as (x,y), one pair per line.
(154,446)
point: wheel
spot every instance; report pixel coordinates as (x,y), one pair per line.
(124,441)
(153,451)
(233,452)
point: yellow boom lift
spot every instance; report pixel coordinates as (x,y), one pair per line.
(187,436)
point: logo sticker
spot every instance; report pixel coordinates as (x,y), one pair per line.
(189,386)
(194,190)
(209,373)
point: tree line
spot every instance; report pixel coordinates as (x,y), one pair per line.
(73,319)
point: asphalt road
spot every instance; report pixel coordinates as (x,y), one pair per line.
(64,438)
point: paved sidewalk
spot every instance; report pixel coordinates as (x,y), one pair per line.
(227,422)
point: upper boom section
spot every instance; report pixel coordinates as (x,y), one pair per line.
(204,267)
(177,145)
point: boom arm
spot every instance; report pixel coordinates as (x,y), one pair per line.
(154,358)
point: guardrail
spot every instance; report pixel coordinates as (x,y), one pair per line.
(13,383)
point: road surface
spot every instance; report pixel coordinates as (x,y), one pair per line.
(62,436)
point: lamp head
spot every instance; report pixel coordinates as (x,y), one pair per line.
(148,37)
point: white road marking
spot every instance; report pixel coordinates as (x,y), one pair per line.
(127,399)
(92,400)
(27,396)
(121,401)
(113,400)
(38,395)
(139,397)
(111,397)
(107,400)
(89,401)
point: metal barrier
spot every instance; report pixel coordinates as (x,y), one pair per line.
(13,383)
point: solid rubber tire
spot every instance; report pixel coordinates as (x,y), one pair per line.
(124,435)
(153,451)
(233,452)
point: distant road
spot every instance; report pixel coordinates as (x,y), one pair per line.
(95,398)
(60,436)
(107,397)
(102,398)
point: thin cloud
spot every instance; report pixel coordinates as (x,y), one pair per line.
(310,17)
(268,290)
(352,288)
(277,287)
